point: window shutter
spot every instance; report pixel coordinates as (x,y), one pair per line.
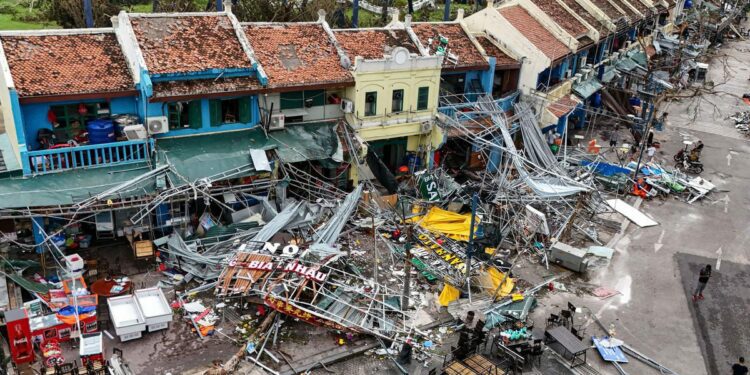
(194,114)
(214,106)
(244,110)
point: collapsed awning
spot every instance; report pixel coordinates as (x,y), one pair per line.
(210,155)
(61,189)
(563,106)
(626,64)
(587,88)
(609,74)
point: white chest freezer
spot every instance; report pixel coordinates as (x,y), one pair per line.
(127,317)
(155,308)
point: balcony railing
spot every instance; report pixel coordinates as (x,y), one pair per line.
(450,104)
(88,156)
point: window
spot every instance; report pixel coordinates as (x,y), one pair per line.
(371,103)
(182,115)
(397,103)
(230,111)
(423,97)
(302,99)
(71,118)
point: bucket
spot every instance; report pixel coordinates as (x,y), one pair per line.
(101,131)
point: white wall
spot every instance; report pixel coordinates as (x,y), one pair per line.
(533,61)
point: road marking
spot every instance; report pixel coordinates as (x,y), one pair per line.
(729,159)
(658,244)
(718,258)
(726,201)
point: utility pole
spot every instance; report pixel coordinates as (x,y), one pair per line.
(88,13)
(647,116)
(470,248)
(407,259)
(355,14)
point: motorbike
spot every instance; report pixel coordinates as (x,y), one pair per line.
(689,166)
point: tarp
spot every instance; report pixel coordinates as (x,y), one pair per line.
(451,224)
(490,280)
(448,295)
(605,169)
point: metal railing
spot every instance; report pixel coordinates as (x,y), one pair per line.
(452,103)
(87,156)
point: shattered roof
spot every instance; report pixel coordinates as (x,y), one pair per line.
(562,17)
(459,43)
(563,105)
(501,58)
(296,54)
(71,64)
(373,43)
(534,32)
(202,87)
(608,9)
(588,17)
(181,44)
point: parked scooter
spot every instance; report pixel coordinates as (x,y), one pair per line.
(686,163)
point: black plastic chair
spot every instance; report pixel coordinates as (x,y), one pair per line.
(553,320)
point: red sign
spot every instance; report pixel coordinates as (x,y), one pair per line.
(19,336)
(201,315)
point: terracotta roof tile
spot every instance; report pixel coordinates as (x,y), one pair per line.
(202,87)
(628,11)
(642,8)
(67,64)
(534,32)
(501,58)
(296,54)
(562,17)
(588,17)
(181,44)
(459,43)
(608,9)
(373,43)
(563,105)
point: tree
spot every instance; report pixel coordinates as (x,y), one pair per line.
(69,13)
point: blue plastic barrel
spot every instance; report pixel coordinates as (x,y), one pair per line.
(101,131)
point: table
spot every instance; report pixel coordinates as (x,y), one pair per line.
(570,344)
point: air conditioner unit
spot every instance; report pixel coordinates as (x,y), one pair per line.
(425,127)
(157,125)
(277,122)
(347,106)
(135,132)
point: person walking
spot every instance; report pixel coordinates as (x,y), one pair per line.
(614,137)
(739,368)
(651,151)
(705,274)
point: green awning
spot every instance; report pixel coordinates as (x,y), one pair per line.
(625,64)
(204,156)
(609,74)
(587,88)
(65,188)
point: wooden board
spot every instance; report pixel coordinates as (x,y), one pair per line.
(143,249)
(458,368)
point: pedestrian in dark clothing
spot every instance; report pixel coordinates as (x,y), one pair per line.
(614,136)
(739,368)
(702,281)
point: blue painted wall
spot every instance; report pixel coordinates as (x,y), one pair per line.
(160,109)
(35,115)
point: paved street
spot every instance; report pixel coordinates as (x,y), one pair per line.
(653,313)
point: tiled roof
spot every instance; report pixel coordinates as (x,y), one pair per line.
(534,32)
(608,9)
(296,54)
(642,8)
(67,64)
(459,43)
(373,43)
(181,44)
(588,17)
(202,87)
(561,16)
(501,58)
(563,105)
(584,42)
(628,11)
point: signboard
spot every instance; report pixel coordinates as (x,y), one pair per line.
(287,308)
(311,273)
(428,188)
(535,222)
(447,250)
